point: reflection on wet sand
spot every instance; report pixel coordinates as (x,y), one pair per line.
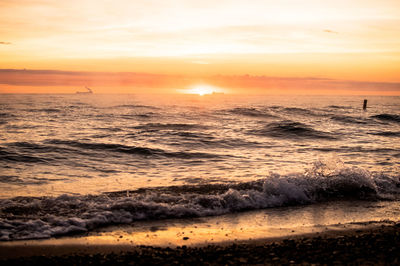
(245,226)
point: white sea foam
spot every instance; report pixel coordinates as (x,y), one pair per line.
(32,218)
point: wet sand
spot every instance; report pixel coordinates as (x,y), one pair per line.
(373,245)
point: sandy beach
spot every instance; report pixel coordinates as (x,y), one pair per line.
(376,244)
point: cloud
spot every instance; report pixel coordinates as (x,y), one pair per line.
(302,84)
(26,77)
(331,31)
(255,84)
(5,43)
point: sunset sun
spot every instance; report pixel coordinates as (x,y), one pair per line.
(202,90)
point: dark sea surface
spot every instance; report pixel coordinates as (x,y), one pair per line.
(74,163)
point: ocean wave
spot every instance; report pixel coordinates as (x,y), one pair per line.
(143,151)
(146,115)
(12,179)
(386,133)
(21,126)
(192,135)
(201,140)
(169,126)
(106,147)
(35,148)
(45,110)
(43,217)
(55,149)
(134,106)
(352,149)
(348,119)
(109,129)
(50,110)
(388,117)
(251,112)
(339,107)
(6,115)
(299,111)
(290,129)
(7,156)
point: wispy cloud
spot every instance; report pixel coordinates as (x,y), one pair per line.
(261,83)
(253,84)
(331,31)
(5,43)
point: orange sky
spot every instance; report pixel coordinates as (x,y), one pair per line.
(344,40)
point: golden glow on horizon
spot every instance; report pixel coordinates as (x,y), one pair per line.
(346,40)
(202,90)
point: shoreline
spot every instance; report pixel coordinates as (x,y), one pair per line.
(377,243)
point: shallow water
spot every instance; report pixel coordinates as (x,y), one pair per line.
(268,224)
(186,156)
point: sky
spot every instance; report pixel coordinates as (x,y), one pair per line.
(348,41)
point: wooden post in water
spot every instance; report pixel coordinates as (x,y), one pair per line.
(365,104)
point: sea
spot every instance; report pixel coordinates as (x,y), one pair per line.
(74,163)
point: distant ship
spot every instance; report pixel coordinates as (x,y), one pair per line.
(89,91)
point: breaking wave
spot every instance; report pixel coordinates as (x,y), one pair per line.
(43,217)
